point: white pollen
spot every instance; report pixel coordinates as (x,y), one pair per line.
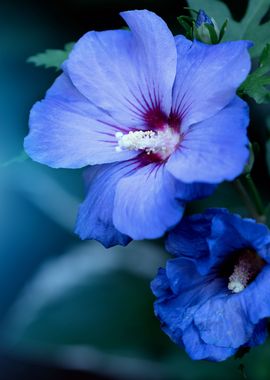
(162,142)
(118,135)
(235,286)
(241,275)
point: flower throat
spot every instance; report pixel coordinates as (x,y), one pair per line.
(246,268)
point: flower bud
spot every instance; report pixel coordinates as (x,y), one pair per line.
(205,29)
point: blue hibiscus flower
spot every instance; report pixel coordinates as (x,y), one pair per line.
(213,297)
(156,117)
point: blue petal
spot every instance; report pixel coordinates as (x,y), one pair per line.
(223,240)
(126,73)
(189,238)
(95,214)
(145,203)
(214,150)
(189,290)
(160,285)
(254,235)
(230,233)
(183,276)
(67,131)
(223,321)
(190,192)
(199,350)
(256,296)
(207,77)
(197,310)
(259,334)
(210,238)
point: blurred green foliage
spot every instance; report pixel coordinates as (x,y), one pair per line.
(74,303)
(257,83)
(249,28)
(51,57)
(92,309)
(268,145)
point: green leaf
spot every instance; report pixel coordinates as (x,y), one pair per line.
(223,30)
(248,28)
(255,86)
(187,24)
(207,33)
(213,34)
(52,57)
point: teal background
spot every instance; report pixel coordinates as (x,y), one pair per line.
(71,309)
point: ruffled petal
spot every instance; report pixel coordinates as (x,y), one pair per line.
(223,241)
(189,290)
(256,296)
(160,285)
(189,238)
(196,308)
(259,334)
(197,349)
(223,321)
(127,73)
(67,131)
(207,77)
(95,213)
(215,149)
(229,234)
(145,205)
(254,235)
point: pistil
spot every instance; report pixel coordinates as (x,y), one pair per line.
(247,268)
(160,142)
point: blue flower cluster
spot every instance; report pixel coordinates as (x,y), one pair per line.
(213,296)
(156,121)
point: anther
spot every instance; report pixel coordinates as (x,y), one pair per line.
(160,142)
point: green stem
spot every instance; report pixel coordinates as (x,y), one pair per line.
(254,194)
(246,199)
(251,197)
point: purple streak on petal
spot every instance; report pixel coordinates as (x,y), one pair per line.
(116,128)
(174,121)
(138,111)
(66,130)
(207,77)
(151,34)
(155,119)
(110,68)
(215,149)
